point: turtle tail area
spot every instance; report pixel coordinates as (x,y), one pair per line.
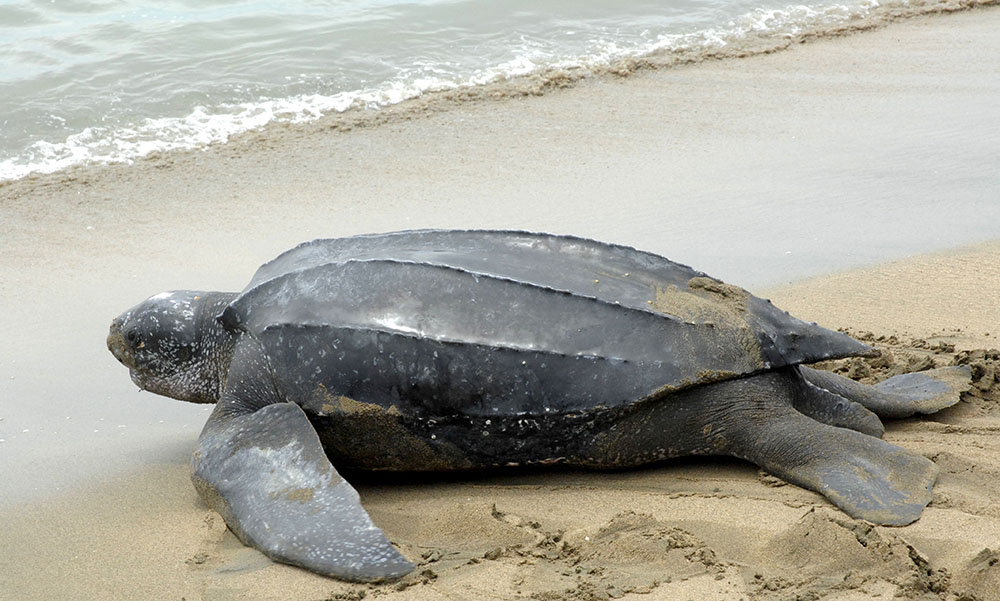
(900,396)
(834,410)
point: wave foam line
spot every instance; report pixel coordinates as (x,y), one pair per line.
(753,33)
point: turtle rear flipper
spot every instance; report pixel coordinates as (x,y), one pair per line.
(900,396)
(865,476)
(264,470)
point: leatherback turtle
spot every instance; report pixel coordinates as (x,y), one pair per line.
(452,350)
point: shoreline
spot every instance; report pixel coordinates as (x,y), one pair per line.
(751,44)
(815,162)
(703,161)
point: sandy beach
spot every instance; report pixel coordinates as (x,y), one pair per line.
(853,180)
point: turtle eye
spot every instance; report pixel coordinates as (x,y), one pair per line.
(132,337)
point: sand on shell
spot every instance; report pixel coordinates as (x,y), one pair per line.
(80,247)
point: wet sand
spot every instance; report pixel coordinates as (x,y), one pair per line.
(765,170)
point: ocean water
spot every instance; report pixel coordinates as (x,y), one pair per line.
(114,80)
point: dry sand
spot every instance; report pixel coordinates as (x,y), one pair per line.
(803,162)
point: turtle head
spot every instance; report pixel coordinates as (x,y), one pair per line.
(173,345)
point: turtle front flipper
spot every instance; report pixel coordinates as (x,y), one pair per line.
(260,464)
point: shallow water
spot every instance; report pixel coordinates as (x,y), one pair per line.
(90,80)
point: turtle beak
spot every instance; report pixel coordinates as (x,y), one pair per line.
(117,344)
(122,351)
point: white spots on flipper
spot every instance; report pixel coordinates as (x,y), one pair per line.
(295,508)
(294,469)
